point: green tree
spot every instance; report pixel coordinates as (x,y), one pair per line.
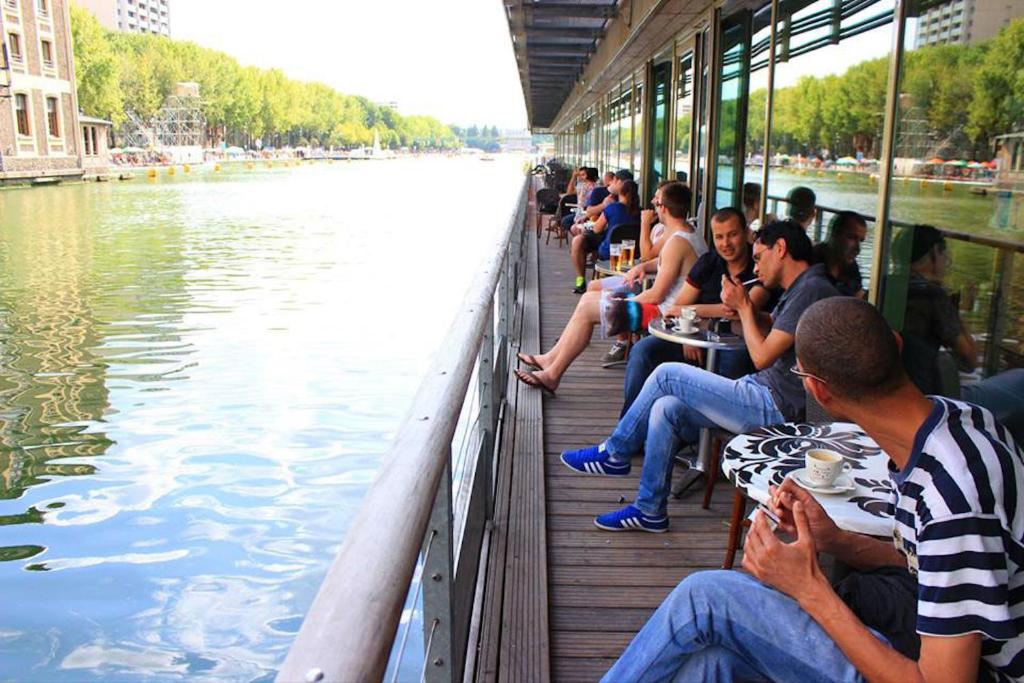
(96,68)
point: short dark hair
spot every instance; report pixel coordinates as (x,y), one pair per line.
(730,213)
(843,222)
(591,174)
(848,343)
(676,197)
(624,174)
(751,194)
(797,242)
(802,201)
(925,237)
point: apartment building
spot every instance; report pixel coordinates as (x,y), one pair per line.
(965,21)
(136,16)
(39,127)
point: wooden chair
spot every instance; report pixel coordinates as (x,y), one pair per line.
(547,205)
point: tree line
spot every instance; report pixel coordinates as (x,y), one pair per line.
(119,72)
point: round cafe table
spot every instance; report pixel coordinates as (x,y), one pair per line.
(604,267)
(767,456)
(712,343)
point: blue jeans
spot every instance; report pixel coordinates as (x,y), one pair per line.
(677,401)
(650,352)
(1003,394)
(727,626)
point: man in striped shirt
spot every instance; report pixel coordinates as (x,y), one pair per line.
(959,529)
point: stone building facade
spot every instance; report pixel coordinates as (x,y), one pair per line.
(39,127)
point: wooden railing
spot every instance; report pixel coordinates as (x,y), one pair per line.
(411,509)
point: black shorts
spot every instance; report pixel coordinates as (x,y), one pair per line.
(592,240)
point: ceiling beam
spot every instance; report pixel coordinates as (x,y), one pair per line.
(601,10)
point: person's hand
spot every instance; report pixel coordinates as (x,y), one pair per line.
(791,568)
(576,229)
(734,295)
(648,217)
(694,355)
(633,274)
(784,498)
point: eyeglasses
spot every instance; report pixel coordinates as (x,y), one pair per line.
(800,373)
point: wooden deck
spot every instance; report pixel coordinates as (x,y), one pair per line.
(563,598)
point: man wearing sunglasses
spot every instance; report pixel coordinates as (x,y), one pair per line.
(679,400)
(941,601)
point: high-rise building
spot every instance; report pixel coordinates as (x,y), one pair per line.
(965,22)
(39,127)
(137,16)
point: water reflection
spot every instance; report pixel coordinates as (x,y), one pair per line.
(198,377)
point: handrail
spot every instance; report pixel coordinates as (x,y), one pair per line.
(995,242)
(350,627)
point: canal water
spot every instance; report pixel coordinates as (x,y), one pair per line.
(198,377)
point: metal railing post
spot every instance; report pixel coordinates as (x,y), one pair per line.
(440,663)
(999,309)
(488,405)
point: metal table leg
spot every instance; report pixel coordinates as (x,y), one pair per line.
(699,469)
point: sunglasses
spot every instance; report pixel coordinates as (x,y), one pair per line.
(804,375)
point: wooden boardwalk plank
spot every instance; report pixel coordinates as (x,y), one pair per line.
(602,585)
(562,597)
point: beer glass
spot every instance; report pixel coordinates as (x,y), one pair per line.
(628,253)
(615,257)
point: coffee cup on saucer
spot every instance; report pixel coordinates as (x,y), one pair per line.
(823,466)
(684,326)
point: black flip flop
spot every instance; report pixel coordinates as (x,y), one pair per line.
(531,380)
(529,360)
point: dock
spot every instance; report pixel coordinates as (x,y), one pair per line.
(564,598)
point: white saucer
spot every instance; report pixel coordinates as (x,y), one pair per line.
(679,330)
(842,484)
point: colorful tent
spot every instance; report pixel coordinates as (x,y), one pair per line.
(956,162)
(935,160)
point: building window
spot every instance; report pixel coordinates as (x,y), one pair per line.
(47,49)
(53,117)
(13,4)
(14,46)
(44,7)
(87,140)
(21,111)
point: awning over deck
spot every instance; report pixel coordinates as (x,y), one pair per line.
(569,49)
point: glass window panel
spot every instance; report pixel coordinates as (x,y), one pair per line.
(684,116)
(954,169)
(831,76)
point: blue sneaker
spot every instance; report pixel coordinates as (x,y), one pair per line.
(630,518)
(595,460)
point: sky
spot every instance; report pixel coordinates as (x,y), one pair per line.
(451,59)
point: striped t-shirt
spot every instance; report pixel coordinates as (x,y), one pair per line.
(960,523)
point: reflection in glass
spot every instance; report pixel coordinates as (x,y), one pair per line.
(684,116)
(957,167)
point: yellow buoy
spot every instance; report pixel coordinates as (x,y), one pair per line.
(839,176)
(170,170)
(186,168)
(947,186)
(216,167)
(821,173)
(151,173)
(270,164)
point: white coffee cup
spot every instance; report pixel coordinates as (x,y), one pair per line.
(824,466)
(688,313)
(684,326)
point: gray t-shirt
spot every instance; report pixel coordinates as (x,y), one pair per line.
(787,389)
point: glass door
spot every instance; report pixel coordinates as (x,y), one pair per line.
(657,146)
